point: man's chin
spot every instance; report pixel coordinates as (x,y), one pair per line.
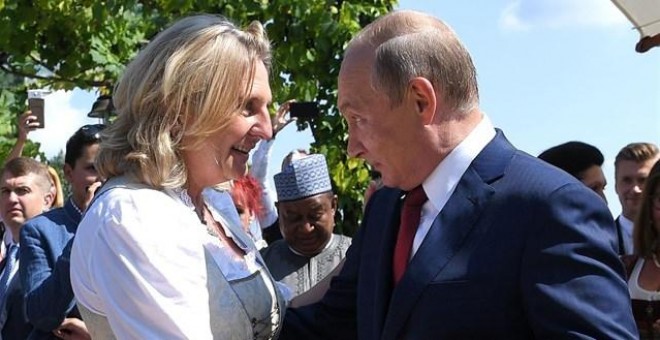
(15,222)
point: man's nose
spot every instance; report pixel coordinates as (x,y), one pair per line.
(12,197)
(307,226)
(355,148)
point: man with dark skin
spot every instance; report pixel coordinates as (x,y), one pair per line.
(309,251)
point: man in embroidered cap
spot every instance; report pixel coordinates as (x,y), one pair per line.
(306,207)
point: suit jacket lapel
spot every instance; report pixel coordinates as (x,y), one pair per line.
(450,231)
(388,220)
(13,285)
(447,235)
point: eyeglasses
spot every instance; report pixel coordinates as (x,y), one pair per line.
(655,201)
(92,130)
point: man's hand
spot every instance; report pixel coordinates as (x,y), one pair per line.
(89,194)
(280,121)
(72,329)
(27,122)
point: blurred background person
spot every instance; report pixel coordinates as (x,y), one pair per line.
(247,196)
(161,252)
(306,208)
(631,168)
(46,243)
(582,161)
(643,268)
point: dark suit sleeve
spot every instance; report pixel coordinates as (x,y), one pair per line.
(48,293)
(572,280)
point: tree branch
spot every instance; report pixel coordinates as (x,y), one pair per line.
(54,79)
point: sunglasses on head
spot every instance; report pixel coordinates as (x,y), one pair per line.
(92,130)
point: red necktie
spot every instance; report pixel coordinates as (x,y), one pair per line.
(410,214)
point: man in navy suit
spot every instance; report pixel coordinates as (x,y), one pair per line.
(505,247)
(25,192)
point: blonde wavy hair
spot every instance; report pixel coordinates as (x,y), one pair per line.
(186,84)
(56,189)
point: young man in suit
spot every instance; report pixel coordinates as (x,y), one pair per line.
(47,240)
(631,168)
(25,192)
(505,247)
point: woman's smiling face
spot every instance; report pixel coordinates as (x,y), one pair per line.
(224,155)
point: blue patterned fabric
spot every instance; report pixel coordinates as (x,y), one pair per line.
(303,178)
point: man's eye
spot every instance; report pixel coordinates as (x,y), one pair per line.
(293,218)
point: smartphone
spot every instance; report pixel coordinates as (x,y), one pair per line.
(36,105)
(304,110)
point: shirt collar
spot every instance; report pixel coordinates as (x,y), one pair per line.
(625,222)
(445,177)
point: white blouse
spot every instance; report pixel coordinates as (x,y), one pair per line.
(637,292)
(138,260)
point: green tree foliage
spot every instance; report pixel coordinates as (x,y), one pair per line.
(64,44)
(13,95)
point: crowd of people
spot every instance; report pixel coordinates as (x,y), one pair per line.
(168,235)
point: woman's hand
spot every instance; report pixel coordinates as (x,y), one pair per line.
(72,329)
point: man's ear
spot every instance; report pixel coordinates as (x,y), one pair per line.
(334,203)
(68,172)
(422,93)
(49,197)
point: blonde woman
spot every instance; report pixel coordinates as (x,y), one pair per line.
(160,253)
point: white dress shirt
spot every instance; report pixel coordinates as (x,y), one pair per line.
(440,185)
(626,233)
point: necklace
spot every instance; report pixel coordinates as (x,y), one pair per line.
(80,211)
(655,261)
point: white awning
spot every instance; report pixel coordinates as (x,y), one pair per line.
(645,17)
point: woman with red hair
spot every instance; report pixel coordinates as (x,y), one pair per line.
(246,193)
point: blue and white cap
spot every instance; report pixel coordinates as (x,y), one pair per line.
(304,177)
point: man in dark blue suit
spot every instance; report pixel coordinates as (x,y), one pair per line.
(505,246)
(25,192)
